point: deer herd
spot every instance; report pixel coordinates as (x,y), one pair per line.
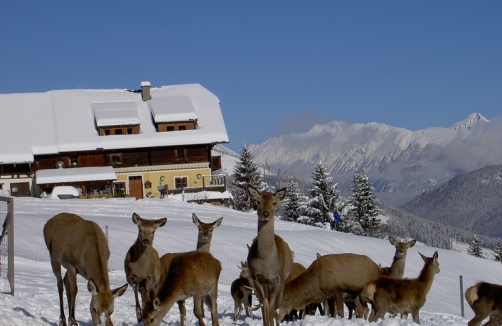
(284,288)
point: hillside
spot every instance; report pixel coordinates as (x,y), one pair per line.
(472,201)
(397,160)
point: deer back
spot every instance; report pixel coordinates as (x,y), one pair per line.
(205,232)
(295,272)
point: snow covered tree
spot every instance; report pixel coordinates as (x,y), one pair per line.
(364,209)
(498,252)
(323,198)
(475,248)
(245,172)
(292,205)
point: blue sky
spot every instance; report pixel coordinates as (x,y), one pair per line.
(276,66)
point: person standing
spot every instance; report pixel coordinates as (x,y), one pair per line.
(336,219)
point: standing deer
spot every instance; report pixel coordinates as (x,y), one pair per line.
(485,300)
(270,260)
(142,264)
(402,295)
(241,292)
(184,275)
(80,246)
(396,270)
(204,238)
(327,278)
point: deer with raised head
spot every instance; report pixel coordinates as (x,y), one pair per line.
(204,238)
(328,277)
(242,291)
(80,246)
(184,275)
(269,259)
(142,264)
(485,300)
(396,270)
(404,296)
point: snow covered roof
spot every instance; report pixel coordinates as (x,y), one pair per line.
(176,108)
(66,120)
(75,175)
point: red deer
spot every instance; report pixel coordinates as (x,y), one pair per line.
(485,300)
(327,278)
(184,275)
(401,295)
(241,292)
(295,272)
(142,264)
(80,246)
(396,270)
(270,260)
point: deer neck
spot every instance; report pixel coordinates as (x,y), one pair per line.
(266,238)
(397,267)
(427,276)
(203,246)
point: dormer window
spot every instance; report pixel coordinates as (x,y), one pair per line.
(172,113)
(116,118)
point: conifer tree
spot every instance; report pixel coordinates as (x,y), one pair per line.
(498,252)
(292,204)
(245,172)
(475,248)
(323,198)
(364,209)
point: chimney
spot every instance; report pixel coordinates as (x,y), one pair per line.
(145,91)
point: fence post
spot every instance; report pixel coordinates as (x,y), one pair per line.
(10,232)
(461,296)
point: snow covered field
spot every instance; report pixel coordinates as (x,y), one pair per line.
(35,301)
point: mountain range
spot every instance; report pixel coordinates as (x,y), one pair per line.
(400,163)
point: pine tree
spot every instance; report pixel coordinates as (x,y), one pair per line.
(498,252)
(323,198)
(364,209)
(245,172)
(292,204)
(475,248)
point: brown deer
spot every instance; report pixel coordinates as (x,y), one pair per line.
(396,270)
(184,275)
(403,296)
(242,291)
(204,238)
(297,270)
(80,246)
(485,300)
(327,278)
(142,264)
(270,260)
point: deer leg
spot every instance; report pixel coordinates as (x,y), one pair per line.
(415,315)
(238,309)
(56,268)
(183,311)
(212,298)
(197,303)
(493,321)
(135,287)
(339,303)
(70,282)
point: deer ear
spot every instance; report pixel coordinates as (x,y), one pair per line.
(119,291)
(161,222)
(435,257)
(423,257)
(217,222)
(91,287)
(156,304)
(392,241)
(280,194)
(411,243)
(252,191)
(136,219)
(195,219)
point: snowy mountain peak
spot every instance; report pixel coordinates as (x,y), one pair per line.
(469,122)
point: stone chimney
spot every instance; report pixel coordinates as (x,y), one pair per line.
(145,91)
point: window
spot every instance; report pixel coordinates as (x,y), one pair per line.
(180,154)
(118,131)
(182,127)
(119,189)
(170,128)
(106,132)
(129,131)
(181,182)
(73,160)
(115,158)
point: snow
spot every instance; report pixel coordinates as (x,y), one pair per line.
(35,301)
(172,109)
(64,120)
(75,175)
(63,190)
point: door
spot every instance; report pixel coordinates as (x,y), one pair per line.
(136,187)
(20,189)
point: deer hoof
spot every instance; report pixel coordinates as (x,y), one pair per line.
(139,315)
